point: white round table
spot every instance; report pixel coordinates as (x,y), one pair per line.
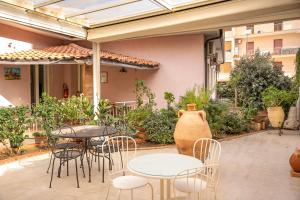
(163,166)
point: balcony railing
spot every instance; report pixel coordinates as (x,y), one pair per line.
(285,51)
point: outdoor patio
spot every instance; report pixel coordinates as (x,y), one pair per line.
(252,167)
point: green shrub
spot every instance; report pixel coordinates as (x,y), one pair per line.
(169,98)
(297,76)
(225,90)
(234,123)
(197,95)
(221,120)
(252,75)
(14,121)
(76,109)
(160,126)
(136,117)
(49,113)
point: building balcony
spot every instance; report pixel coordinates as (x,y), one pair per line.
(285,51)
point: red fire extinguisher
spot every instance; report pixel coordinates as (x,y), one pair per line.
(66,90)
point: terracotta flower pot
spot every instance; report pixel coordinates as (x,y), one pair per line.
(191,126)
(295,160)
(276,116)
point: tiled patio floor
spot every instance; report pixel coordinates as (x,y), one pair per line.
(252,167)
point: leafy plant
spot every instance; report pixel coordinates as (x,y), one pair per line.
(39,134)
(104,112)
(252,75)
(197,95)
(14,121)
(136,117)
(76,109)
(48,113)
(141,90)
(169,97)
(160,126)
(234,123)
(297,76)
(225,90)
(273,97)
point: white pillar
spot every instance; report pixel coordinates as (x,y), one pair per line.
(36,84)
(96,75)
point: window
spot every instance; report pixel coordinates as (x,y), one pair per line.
(228,46)
(250,48)
(277,45)
(278,26)
(250,29)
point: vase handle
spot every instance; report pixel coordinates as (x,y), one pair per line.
(202,114)
(180,113)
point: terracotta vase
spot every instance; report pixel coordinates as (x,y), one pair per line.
(295,160)
(191,126)
(276,116)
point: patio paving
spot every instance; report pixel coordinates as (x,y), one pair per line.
(252,167)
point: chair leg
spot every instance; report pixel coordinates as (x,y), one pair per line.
(152,193)
(98,162)
(107,194)
(131,191)
(76,172)
(52,172)
(119,194)
(67,167)
(103,167)
(82,167)
(49,163)
(59,169)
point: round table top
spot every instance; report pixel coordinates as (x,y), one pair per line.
(162,165)
(90,132)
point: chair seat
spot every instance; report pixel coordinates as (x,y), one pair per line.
(190,185)
(67,145)
(68,154)
(129,182)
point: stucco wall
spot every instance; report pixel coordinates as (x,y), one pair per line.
(182,66)
(16,91)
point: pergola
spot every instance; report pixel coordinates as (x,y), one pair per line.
(108,20)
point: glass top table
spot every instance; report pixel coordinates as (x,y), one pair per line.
(163,166)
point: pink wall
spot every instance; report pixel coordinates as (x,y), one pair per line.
(182,66)
(16,91)
(37,40)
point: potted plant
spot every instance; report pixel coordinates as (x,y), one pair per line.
(40,138)
(274,99)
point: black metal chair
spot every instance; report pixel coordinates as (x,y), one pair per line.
(95,149)
(65,151)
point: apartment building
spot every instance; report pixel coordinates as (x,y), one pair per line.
(281,39)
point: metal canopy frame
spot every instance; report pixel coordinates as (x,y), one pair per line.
(95,14)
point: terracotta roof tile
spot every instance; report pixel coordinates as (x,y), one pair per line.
(73,51)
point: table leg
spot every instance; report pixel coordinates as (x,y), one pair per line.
(87,159)
(162,189)
(168,189)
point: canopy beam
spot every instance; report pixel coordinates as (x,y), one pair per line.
(46,3)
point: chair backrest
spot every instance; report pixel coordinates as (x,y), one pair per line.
(121,150)
(56,137)
(208,150)
(195,181)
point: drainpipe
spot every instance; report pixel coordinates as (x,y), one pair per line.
(220,36)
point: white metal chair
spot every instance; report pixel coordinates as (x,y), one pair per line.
(209,151)
(122,149)
(195,182)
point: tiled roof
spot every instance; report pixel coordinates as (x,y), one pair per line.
(73,52)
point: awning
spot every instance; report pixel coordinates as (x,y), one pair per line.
(73,54)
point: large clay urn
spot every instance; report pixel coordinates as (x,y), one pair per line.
(191,126)
(276,116)
(295,161)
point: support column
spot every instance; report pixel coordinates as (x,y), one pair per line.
(36,84)
(96,75)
